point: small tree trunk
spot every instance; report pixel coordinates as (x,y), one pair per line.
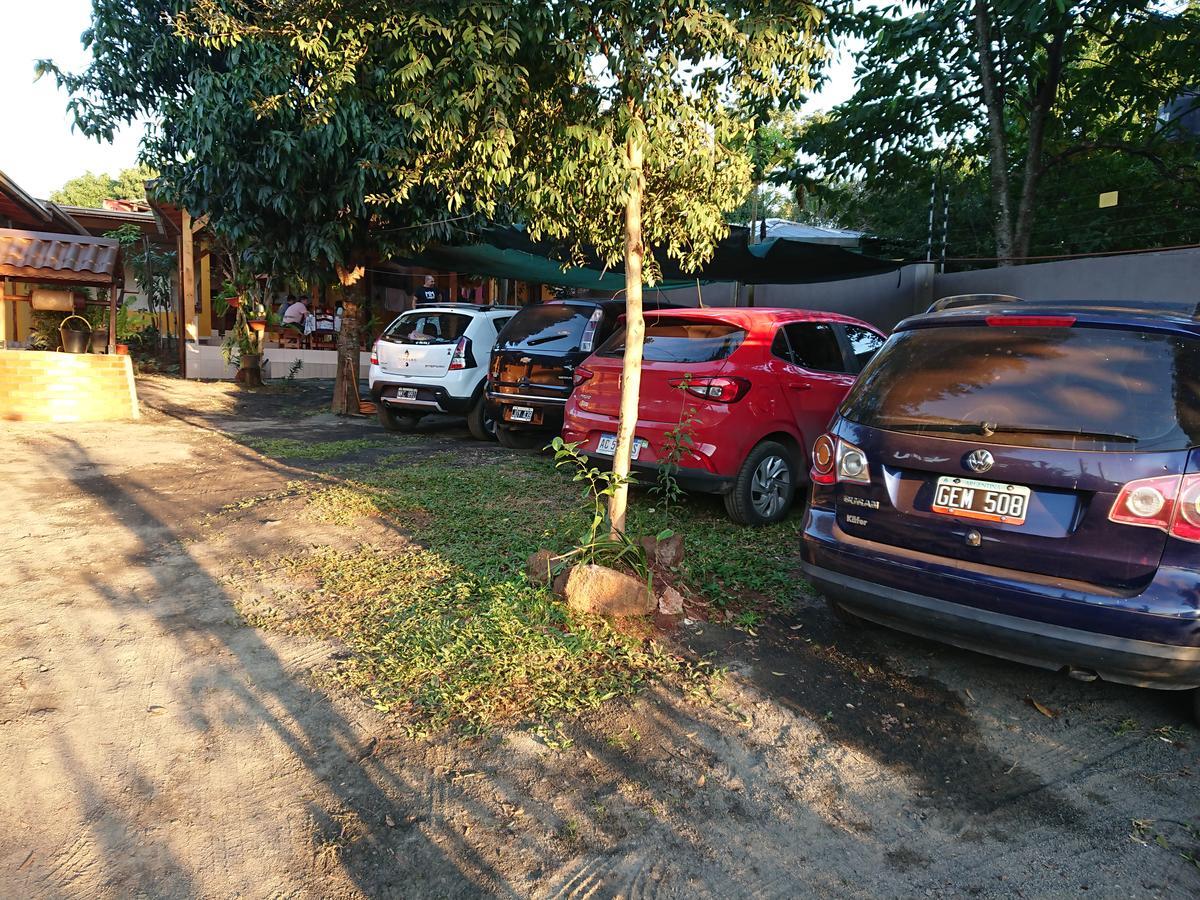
(635,333)
(1043,103)
(997,139)
(345,384)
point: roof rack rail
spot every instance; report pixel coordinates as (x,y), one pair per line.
(483,307)
(958,301)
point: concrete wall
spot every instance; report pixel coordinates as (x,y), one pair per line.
(882,300)
(40,386)
(206,361)
(1168,275)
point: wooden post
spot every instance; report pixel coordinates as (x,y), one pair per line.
(187,289)
(112,309)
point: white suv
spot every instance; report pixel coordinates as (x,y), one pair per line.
(434,359)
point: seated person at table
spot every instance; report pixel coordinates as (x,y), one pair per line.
(293,316)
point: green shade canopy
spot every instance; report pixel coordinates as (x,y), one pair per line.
(509,253)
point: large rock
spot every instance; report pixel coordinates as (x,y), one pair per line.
(607,592)
(670,602)
(667,553)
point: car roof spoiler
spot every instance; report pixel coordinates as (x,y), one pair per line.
(1183,309)
(960,301)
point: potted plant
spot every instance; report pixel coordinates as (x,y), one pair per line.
(125,327)
(242,347)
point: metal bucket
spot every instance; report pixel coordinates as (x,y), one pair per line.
(75,339)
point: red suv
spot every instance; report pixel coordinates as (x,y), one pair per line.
(737,396)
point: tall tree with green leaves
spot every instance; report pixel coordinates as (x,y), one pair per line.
(612,127)
(1027,87)
(91,190)
(295,190)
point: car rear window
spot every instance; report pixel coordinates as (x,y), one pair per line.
(1083,387)
(427,328)
(675,340)
(555,327)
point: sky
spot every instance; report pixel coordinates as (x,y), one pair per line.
(44,152)
(40,151)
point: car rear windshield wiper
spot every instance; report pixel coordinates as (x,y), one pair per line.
(983,429)
(987,429)
(545,340)
(932,425)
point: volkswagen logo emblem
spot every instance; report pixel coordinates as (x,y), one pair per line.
(979,461)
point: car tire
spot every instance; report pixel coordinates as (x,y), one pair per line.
(765,486)
(519,439)
(479,423)
(1195,698)
(396,421)
(844,615)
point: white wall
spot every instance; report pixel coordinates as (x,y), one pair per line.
(1172,275)
(205,361)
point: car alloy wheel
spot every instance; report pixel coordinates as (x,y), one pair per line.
(771,487)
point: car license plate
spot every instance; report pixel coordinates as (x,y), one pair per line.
(988,501)
(406,393)
(608,445)
(521,414)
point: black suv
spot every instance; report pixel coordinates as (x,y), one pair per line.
(533,364)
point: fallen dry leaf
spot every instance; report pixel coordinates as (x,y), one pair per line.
(1044,710)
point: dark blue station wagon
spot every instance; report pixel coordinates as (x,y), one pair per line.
(1023,479)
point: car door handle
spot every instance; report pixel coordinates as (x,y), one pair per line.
(800,387)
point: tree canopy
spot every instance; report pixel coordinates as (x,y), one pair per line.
(1038,98)
(330,132)
(91,189)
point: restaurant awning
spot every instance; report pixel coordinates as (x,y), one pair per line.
(66,258)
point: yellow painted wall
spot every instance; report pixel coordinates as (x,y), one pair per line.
(24,320)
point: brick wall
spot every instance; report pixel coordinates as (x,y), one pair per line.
(66,387)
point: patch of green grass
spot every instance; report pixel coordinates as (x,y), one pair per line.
(290,448)
(1125,726)
(491,516)
(730,565)
(434,645)
(446,630)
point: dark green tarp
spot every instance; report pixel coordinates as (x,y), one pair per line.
(509,253)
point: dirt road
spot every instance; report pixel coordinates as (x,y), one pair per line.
(154,744)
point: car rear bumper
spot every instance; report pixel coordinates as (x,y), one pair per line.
(695,480)
(548,410)
(430,398)
(1127,643)
(1125,660)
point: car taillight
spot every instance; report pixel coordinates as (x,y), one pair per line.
(588,341)
(461,349)
(1186,524)
(723,388)
(375,354)
(1031,321)
(1147,502)
(582,374)
(824,455)
(852,464)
